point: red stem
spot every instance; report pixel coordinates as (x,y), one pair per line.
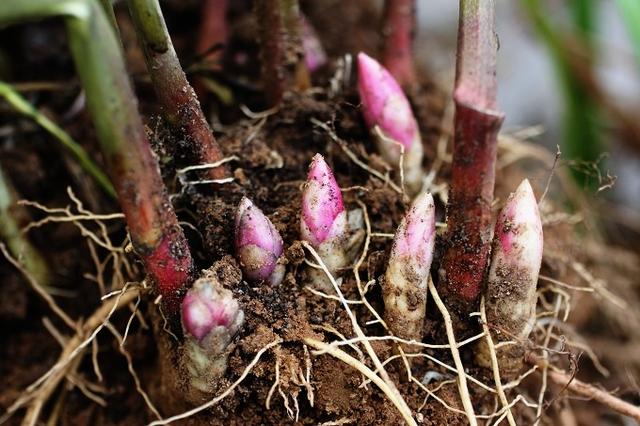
(179,103)
(469,223)
(282,55)
(399,31)
(213,31)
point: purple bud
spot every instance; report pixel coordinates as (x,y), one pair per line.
(384,104)
(323,213)
(211,317)
(407,274)
(207,310)
(314,54)
(258,244)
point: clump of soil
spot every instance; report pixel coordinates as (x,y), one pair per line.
(272,151)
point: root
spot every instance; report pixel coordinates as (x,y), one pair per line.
(38,393)
(585,390)
(462,378)
(38,288)
(494,366)
(391,393)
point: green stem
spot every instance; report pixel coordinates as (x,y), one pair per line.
(21,105)
(19,245)
(107,6)
(153,225)
(630,13)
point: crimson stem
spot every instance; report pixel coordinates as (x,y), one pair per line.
(399,24)
(180,106)
(281,49)
(477,123)
(153,226)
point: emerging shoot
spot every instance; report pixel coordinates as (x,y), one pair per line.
(406,278)
(513,276)
(180,106)
(281,49)
(258,245)
(399,30)
(477,123)
(387,113)
(324,219)
(211,317)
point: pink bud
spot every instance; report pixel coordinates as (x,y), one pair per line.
(510,295)
(415,236)
(211,317)
(519,228)
(323,213)
(258,244)
(384,104)
(208,309)
(407,274)
(314,54)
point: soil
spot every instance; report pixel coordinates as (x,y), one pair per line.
(272,153)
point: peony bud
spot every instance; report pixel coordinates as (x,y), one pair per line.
(407,274)
(510,296)
(324,221)
(258,244)
(385,107)
(211,317)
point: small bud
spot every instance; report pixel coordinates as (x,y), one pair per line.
(510,296)
(314,55)
(323,213)
(324,221)
(385,107)
(211,317)
(407,274)
(258,244)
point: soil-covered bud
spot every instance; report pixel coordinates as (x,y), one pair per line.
(387,113)
(510,296)
(211,317)
(407,274)
(258,245)
(324,222)
(315,56)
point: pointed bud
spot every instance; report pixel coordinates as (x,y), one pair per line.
(324,222)
(407,274)
(385,106)
(258,244)
(513,275)
(314,54)
(323,213)
(211,317)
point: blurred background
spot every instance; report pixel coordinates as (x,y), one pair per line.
(572,67)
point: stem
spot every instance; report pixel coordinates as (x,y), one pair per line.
(282,54)
(477,123)
(399,27)
(107,6)
(21,105)
(175,95)
(11,216)
(212,39)
(153,225)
